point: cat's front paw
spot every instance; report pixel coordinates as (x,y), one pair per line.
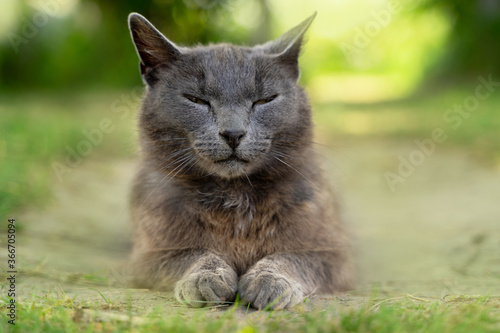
(270,290)
(207,287)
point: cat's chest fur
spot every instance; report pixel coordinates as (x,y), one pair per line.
(234,212)
(239,222)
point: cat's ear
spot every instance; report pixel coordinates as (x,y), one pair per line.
(152,47)
(287,46)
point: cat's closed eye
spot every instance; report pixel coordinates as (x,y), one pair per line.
(196,100)
(265,100)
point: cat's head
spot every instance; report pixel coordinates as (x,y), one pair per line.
(225,110)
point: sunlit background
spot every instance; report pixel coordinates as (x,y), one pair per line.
(385,48)
(382,76)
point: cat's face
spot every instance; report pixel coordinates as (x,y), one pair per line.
(223,110)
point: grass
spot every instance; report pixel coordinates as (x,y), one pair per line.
(30,139)
(416,118)
(36,131)
(401,314)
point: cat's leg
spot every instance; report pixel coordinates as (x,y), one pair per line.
(209,280)
(282,280)
(200,277)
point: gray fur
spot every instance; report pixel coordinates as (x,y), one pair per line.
(229,197)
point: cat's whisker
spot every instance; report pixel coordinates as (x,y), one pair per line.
(282,154)
(183,152)
(292,143)
(180,159)
(246,175)
(193,163)
(163,179)
(334,165)
(300,173)
(176,154)
(184,164)
(276,171)
(326,146)
(333,150)
(311,149)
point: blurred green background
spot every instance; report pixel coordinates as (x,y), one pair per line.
(373,68)
(382,77)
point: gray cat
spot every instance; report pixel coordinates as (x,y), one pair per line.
(229,198)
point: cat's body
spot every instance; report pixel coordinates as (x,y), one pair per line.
(229,197)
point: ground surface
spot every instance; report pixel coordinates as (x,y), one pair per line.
(430,248)
(435,236)
(440,226)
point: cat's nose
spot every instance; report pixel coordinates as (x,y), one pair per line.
(233,137)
